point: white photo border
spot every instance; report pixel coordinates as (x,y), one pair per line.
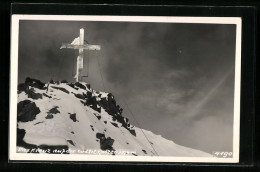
(13,155)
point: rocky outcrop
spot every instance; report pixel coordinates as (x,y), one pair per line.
(21,143)
(109,105)
(29,91)
(73,117)
(32,94)
(115,111)
(34,83)
(51,149)
(72,86)
(49,116)
(61,88)
(98,116)
(80,85)
(80,96)
(105,143)
(71,142)
(92,102)
(22,87)
(54,110)
(27,111)
(92,128)
(114,124)
(20,133)
(64,81)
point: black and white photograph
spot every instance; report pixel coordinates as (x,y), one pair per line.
(125,88)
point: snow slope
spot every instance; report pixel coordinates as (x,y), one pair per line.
(81,127)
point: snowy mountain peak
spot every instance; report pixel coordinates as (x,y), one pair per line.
(62,117)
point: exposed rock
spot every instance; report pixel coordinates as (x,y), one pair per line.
(38,123)
(89,94)
(114,124)
(92,127)
(32,94)
(47,95)
(98,116)
(54,110)
(85,95)
(64,81)
(80,96)
(72,85)
(73,117)
(83,102)
(80,85)
(27,111)
(100,136)
(132,132)
(49,116)
(104,103)
(88,86)
(105,143)
(20,135)
(52,149)
(144,151)
(93,103)
(22,87)
(61,88)
(112,108)
(115,111)
(21,143)
(71,142)
(109,104)
(34,83)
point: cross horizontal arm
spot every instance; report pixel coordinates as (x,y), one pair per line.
(88,47)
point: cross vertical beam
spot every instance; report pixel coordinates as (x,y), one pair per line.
(80,57)
(78,43)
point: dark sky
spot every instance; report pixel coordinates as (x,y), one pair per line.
(177,79)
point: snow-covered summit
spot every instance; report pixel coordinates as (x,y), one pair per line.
(73,118)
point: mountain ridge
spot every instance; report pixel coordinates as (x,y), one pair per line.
(62,117)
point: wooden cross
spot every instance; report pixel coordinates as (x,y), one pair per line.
(78,43)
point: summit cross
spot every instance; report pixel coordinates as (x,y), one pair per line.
(79,44)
